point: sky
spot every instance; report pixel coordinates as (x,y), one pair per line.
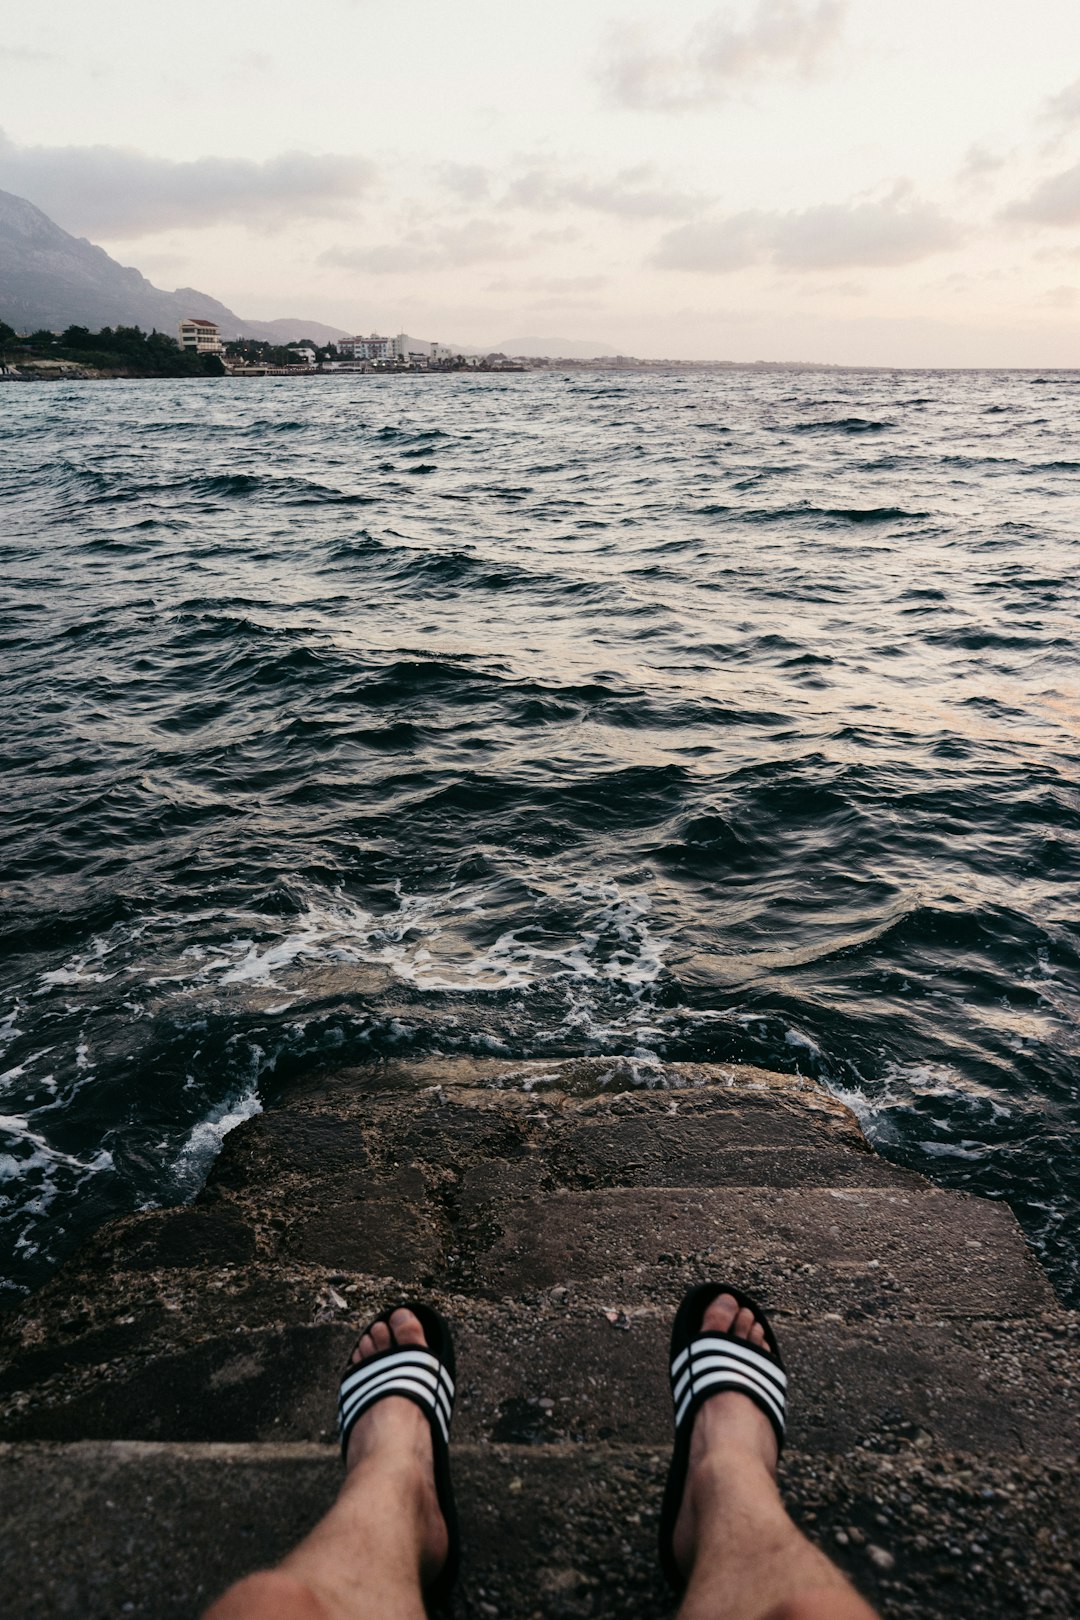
(855,181)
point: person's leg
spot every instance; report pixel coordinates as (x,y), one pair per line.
(383,1538)
(743,1557)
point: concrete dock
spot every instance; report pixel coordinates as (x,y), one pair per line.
(167,1400)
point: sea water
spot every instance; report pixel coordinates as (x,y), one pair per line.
(707,715)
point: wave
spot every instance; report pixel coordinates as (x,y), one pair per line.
(829,514)
(638,724)
(843,424)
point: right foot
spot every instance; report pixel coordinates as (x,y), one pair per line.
(392,1443)
(730,1431)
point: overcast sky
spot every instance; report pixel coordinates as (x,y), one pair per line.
(872,181)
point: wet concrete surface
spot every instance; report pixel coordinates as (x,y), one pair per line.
(182,1368)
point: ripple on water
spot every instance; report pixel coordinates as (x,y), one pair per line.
(723,717)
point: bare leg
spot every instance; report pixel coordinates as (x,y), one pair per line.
(383,1537)
(744,1558)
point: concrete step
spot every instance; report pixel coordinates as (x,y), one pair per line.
(497,1225)
(568,1533)
(867,1257)
(421,1189)
(557,1226)
(665,1139)
(1003,1386)
(865,1253)
(377,1189)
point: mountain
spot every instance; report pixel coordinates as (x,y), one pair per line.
(290,330)
(50,279)
(542,348)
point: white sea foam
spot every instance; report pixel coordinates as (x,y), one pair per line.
(42,1152)
(904,1087)
(872,1112)
(954,1150)
(428,940)
(204,1142)
(37,1173)
(85,966)
(8,1030)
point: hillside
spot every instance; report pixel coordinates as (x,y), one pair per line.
(553,348)
(51,279)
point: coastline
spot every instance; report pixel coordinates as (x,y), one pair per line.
(599,366)
(180,1368)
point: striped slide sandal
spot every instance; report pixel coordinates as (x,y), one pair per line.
(425,1375)
(705,1363)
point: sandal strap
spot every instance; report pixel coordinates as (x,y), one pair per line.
(704,1363)
(415,1373)
(714,1362)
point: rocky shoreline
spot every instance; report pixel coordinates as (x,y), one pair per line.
(179,1373)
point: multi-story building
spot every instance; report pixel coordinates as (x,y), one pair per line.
(416,351)
(202,336)
(367,348)
(403,349)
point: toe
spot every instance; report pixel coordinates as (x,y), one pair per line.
(407,1329)
(379,1334)
(757,1336)
(720,1314)
(743,1323)
(363,1348)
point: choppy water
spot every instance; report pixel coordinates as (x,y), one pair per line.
(727,717)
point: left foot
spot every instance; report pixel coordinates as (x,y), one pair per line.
(730,1431)
(385,1537)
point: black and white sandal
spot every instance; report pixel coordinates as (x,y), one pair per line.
(423,1374)
(704,1363)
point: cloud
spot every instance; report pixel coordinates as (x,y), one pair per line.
(541,185)
(469,181)
(1055,201)
(895,230)
(25,54)
(979,165)
(780,35)
(474,241)
(636,193)
(553,285)
(117,191)
(551,292)
(1064,108)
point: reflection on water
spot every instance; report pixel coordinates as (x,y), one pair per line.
(725,717)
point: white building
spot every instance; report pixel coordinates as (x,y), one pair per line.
(367,348)
(202,336)
(416,351)
(403,349)
(304,355)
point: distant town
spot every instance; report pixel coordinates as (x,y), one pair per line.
(251,358)
(200,349)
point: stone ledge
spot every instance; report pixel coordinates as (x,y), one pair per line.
(156,1531)
(567,1216)
(990,1386)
